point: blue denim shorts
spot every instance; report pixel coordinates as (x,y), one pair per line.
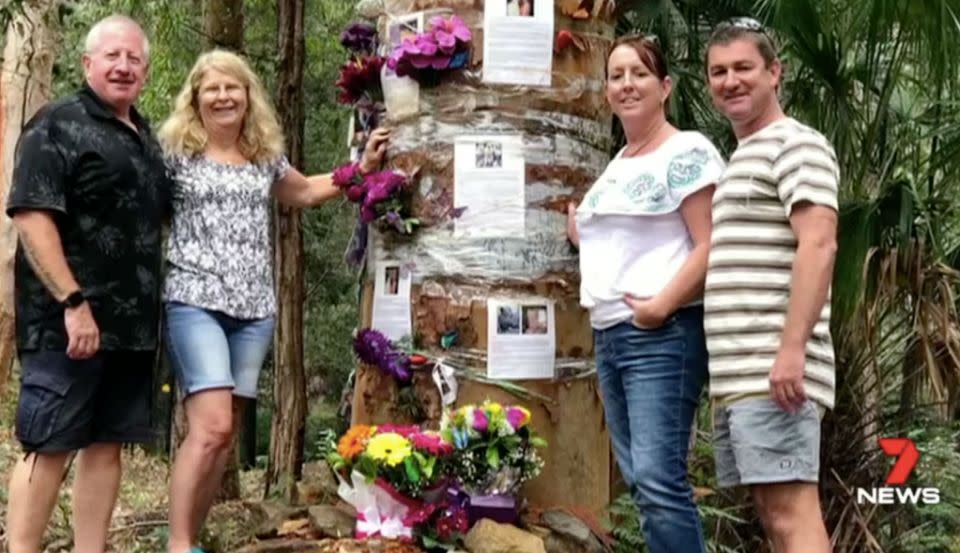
(210,350)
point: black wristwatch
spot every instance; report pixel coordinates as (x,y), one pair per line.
(73,300)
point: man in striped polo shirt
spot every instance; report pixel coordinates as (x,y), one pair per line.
(767,310)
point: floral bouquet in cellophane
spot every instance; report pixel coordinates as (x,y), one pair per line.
(495,453)
(388,473)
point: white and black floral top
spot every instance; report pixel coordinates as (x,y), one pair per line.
(219,253)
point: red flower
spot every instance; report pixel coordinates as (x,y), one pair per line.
(359,79)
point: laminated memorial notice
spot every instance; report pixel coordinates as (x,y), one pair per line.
(391,300)
(489,186)
(518,42)
(522,338)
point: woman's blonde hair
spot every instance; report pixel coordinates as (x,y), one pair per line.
(260,138)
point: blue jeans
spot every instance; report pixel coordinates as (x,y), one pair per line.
(651,382)
(210,350)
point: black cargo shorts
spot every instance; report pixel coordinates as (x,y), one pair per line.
(67,404)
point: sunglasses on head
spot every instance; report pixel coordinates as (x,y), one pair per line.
(745,23)
(641,37)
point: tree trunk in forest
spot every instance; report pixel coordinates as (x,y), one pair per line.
(28,54)
(223,24)
(289,381)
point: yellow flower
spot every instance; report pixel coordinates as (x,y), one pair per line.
(390,447)
(493,407)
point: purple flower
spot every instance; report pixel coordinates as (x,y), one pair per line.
(346,175)
(480,420)
(373,348)
(359,37)
(396,221)
(433,49)
(368,212)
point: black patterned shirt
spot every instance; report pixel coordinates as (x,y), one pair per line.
(108,191)
(219,252)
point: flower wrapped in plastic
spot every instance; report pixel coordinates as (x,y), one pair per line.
(444,46)
(495,453)
(389,474)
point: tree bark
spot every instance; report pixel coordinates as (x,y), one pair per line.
(289,381)
(25,81)
(223,24)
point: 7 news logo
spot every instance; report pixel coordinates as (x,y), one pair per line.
(907,455)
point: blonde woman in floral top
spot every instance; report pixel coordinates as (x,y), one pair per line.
(224,149)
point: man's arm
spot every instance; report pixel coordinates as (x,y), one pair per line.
(815,227)
(43,249)
(41,245)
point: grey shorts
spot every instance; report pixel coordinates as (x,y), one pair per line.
(756,442)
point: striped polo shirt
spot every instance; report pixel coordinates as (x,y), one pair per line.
(751,259)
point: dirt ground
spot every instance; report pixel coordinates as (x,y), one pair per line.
(140,518)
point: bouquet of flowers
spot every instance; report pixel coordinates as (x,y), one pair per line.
(444,46)
(496,450)
(359,79)
(392,471)
(382,196)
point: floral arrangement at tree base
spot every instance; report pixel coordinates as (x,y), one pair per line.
(409,484)
(495,453)
(394,477)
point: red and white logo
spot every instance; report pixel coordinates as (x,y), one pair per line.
(895,492)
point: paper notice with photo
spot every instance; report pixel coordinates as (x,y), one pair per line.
(518,42)
(391,300)
(489,176)
(521,339)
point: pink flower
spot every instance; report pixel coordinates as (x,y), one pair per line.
(432,444)
(480,420)
(405,431)
(517,417)
(448,31)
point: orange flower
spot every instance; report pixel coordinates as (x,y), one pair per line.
(355,441)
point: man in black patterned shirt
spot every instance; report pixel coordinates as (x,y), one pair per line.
(88,195)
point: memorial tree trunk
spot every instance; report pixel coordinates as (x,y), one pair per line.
(565,132)
(289,380)
(25,81)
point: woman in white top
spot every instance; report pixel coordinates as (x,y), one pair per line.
(643,231)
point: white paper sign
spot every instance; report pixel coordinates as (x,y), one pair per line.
(521,339)
(489,173)
(518,42)
(391,300)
